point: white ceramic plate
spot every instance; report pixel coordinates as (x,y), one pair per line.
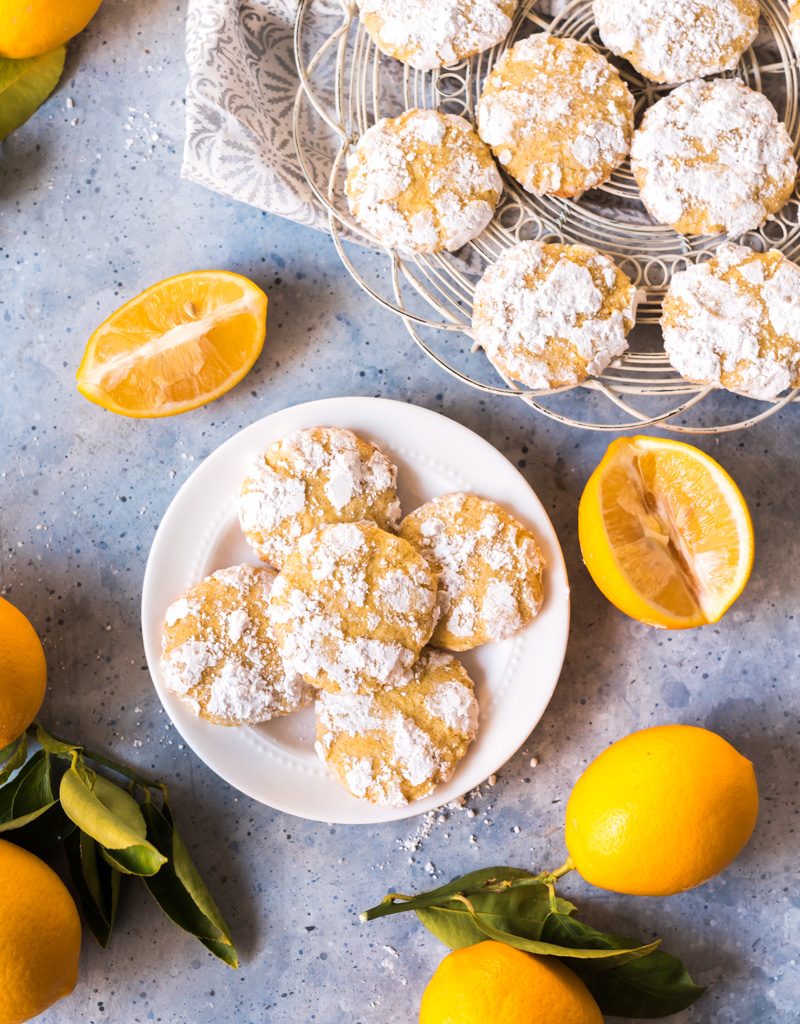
(275,762)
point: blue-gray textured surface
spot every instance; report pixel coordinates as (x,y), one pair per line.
(94,212)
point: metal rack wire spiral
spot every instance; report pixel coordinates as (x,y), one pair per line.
(347,85)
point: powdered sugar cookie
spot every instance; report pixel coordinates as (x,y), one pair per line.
(489,568)
(353,607)
(218,654)
(395,745)
(550,315)
(557,115)
(427,35)
(423,182)
(711,157)
(313,477)
(680,40)
(734,322)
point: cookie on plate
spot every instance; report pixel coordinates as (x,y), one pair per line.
(557,115)
(680,40)
(422,182)
(489,568)
(794,24)
(353,607)
(427,35)
(712,157)
(394,746)
(734,322)
(218,654)
(550,315)
(310,478)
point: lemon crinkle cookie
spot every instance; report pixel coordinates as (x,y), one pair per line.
(310,478)
(423,182)
(734,322)
(353,607)
(427,35)
(550,315)
(489,568)
(794,25)
(395,745)
(218,654)
(679,40)
(557,115)
(711,157)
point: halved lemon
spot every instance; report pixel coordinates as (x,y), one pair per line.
(183,342)
(665,533)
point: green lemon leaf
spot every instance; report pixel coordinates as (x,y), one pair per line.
(25,85)
(51,744)
(105,812)
(180,891)
(97,884)
(39,830)
(543,948)
(34,790)
(8,793)
(655,985)
(6,752)
(12,762)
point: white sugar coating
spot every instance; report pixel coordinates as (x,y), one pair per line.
(353,607)
(557,115)
(422,182)
(712,156)
(395,745)
(428,34)
(325,474)
(489,568)
(680,40)
(550,315)
(218,654)
(734,321)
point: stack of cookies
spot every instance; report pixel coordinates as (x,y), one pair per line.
(710,157)
(356,611)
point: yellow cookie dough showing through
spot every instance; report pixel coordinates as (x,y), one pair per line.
(550,315)
(353,607)
(679,40)
(734,322)
(396,745)
(422,182)
(427,34)
(557,115)
(489,568)
(794,24)
(712,157)
(310,478)
(218,654)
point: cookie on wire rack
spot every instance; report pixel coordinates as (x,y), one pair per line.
(396,745)
(679,40)
(734,322)
(551,315)
(427,35)
(713,157)
(422,182)
(557,115)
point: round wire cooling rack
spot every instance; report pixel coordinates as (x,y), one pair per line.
(347,85)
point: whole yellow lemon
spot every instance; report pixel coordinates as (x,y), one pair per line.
(661,811)
(492,983)
(31,27)
(41,936)
(23,673)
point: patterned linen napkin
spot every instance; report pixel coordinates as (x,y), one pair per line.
(239,104)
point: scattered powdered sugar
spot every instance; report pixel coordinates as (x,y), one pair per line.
(717,330)
(316,606)
(422,182)
(525,301)
(229,672)
(713,153)
(428,34)
(549,98)
(679,40)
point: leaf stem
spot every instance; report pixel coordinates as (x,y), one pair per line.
(107,762)
(568,866)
